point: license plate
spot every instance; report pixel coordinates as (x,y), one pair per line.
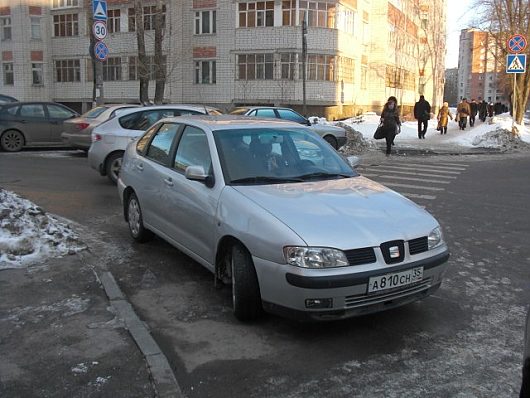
(398,279)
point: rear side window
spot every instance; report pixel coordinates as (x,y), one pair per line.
(58,112)
(288,114)
(32,110)
(159,148)
(265,113)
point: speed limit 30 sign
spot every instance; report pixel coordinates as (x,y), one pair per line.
(99,29)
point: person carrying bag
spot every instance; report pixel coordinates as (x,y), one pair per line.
(390,124)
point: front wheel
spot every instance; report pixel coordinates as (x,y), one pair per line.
(12,141)
(246,297)
(113,166)
(136,224)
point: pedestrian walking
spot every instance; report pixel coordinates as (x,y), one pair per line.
(391,122)
(483,110)
(443,118)
(463,112)
(490,109)
(422,113)
(473,106)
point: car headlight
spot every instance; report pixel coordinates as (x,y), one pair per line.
(435,238)
(314,257)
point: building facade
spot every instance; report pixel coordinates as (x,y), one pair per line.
(232,52)
(451,86)
(479,70)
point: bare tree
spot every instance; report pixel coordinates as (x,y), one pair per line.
(501,19)
(160,65)
(142,65)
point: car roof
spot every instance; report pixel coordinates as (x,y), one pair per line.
(230,122)
(263,107)
(198,108)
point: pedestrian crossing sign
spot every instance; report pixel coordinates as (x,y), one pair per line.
(516,63)
(99,10)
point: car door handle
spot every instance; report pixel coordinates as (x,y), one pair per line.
(140,167)
(168,182)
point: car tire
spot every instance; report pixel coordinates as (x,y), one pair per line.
(332,141)
(135,221)
(12,141)
(246,297)
(113,166)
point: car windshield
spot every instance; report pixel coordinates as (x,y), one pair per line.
(94,113)
(272,155)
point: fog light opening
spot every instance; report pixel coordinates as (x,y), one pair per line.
(319,303)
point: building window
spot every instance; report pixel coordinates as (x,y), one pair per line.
(134,70)
(67,70)
(37,75)
(113,21)
(205,72)
(112,69)
(5,23)
(35,28)
(255,66)
(343,20)
(65,25)
(256,14)
(288,65)
(364,76)
(289,13)
(64,3)
(9,75)
(319,14)
(205,22)
(320,67)
(347,69)
(149,18)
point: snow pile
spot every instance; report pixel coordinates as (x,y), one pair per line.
(356,143)
(28,234)
(500,138)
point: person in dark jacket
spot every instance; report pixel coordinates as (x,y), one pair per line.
(422,113)
(391,122)
(473,106)
(483,110)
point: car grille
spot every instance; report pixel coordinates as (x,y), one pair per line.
(418,245)
(361,300)
(366,255)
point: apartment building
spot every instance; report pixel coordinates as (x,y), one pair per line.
(451,86)
(232,52)
(480,71)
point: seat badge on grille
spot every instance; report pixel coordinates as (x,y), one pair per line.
(394,251)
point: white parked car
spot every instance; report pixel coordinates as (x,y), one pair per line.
(110,139)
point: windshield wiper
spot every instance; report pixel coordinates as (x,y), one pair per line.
(321,174)
(265,179)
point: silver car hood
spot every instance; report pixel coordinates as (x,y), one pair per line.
(347,213)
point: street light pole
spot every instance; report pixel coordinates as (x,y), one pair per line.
(304,59)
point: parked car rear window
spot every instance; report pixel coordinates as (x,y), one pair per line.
(161,144)
(94,113)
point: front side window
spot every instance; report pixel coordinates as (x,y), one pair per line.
(205,22)
(8,74)
(5,24)
(265,113)
(193,150)
(160,146)
(32,110)
(65,25)
(255,66)
(58,112)
(256,14)
(36,28)
(36,74)
(67,70)
(205,72)
(112,69)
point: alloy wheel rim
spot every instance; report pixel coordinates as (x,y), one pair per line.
(115,168)
(12,140)
(134,217)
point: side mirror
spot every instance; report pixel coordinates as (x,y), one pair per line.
(197,173)
(354,161)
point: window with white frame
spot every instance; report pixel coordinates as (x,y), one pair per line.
(317,13)
(205,22)
(37,78)
(65,3)
(256,14)
(289,13)
(5,24)
(205,72)
(112,69)
(113,21)
(320,67)
(8,73)
(134,67)
(255,66)
(67,70)
(288,65)
(149,18)
(345,19)
(36,28)
(347,66)
(65,25)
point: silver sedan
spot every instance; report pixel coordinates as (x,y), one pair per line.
(272,210)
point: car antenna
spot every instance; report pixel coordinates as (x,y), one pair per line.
(205,110)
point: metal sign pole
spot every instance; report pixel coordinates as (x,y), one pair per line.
(304,56)
(514,129)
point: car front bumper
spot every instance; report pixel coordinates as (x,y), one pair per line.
(285,289)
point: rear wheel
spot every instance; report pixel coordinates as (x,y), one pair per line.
(331,141)
(113,166)
(12,141)
(246,297)
(136,224)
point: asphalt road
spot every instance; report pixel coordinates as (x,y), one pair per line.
(465,341)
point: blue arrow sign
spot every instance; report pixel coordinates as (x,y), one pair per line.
(101,51)
(99,9)
(516,63)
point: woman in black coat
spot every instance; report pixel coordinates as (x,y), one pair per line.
(391,122)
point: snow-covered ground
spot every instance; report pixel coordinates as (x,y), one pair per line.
(491,134)
(29,235)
